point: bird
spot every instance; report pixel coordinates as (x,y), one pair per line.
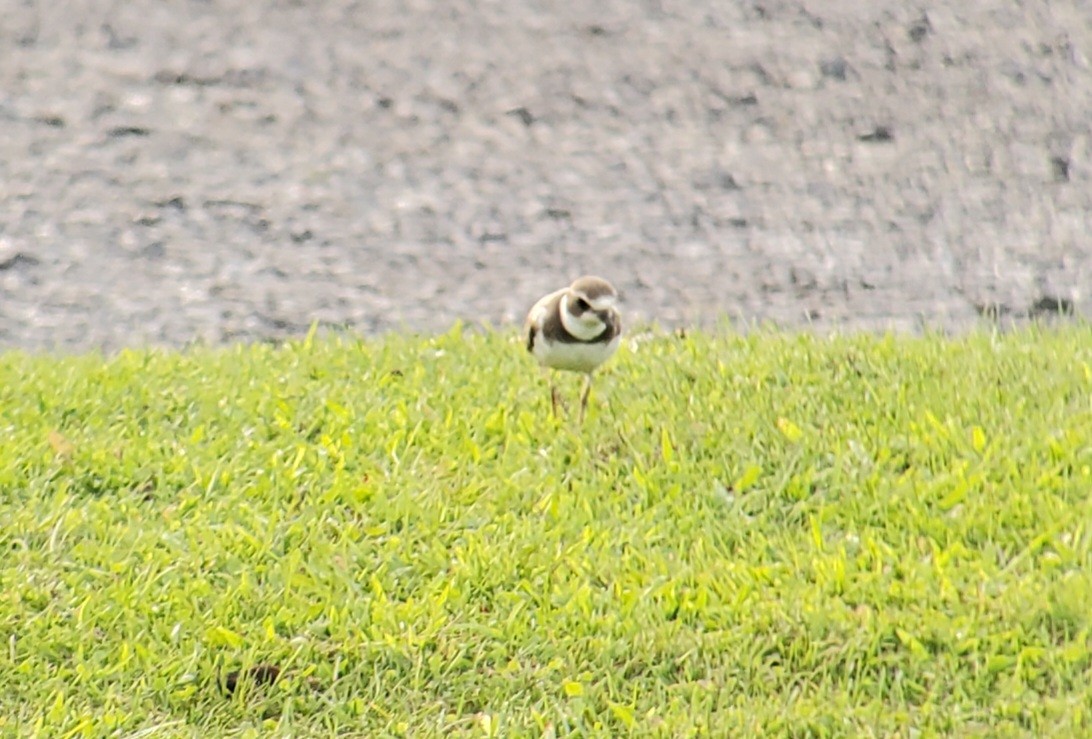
(574,329)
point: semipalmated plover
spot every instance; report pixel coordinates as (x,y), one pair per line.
(575,329)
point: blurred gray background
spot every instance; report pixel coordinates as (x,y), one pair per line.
(224,170)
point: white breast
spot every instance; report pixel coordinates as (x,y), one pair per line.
(573,357)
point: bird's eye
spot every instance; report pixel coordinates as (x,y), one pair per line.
(582,305)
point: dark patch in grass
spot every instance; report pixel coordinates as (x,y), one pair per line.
(1049,305)
(256,675)
(313,431)
(992,311)
(145,491)
(94,485)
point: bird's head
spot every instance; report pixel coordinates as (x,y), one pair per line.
(586,307)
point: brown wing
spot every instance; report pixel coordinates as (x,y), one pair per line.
(537,316)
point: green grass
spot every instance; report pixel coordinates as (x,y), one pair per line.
(773,534)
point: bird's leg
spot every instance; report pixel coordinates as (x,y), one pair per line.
(554,399)
(584,396)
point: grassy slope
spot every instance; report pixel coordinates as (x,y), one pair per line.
(779,533)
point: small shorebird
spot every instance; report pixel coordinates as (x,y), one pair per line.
(576,328)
